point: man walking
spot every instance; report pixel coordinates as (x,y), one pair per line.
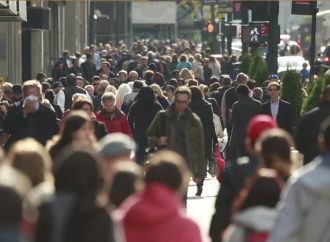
(183,133)
(277,108)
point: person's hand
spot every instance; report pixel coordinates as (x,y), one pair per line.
(29,107)
(162,141)
(3,109)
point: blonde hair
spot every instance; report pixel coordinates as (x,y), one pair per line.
(121,92)
(32,84)
(186,74)
(111,89)
(31,158)
(103,85)
(157,89)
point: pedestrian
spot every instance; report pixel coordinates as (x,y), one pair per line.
(236,174)
(156,214)
(113,148)
(309,126)
(74,214)
(159,95)
(113,119)
(184,63)
(243,111)
(279,109)
(120,94)
(203,109)
(141,114)
(30,118)
(183,133)
(303,212)
(215,67)
(77,128)
(130,97)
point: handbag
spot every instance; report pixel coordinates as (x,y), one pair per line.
(217,163)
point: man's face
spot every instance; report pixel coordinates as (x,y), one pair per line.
(133,77)
(274,91)
(32,91)
(105,67)
(96,85)
(144,62)
(80,83)
(122,77)
(181,102)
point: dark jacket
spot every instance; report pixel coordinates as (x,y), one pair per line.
(284,115)
(89,70)
(192,135)
(128,100)
(40,125)
(243,111)
(308,130)
(233,180)
(204,111)
(68,92)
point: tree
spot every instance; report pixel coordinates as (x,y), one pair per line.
(245,65)
(261,73)
(291,91)
(256,61)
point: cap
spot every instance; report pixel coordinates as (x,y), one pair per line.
(57,84)
(273,76)
(259,124)
(116,144)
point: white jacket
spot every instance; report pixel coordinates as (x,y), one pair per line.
(304,212)
(260,219)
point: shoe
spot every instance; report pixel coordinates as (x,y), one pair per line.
(199,190)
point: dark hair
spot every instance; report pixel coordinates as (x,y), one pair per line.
(251,84)
(50,95)
(242,89)
(214,86)
(275,144)
(11,207)
(164,163)
(196,93)
(80,103)
(96,78)
(146,95)
(45,86)
(174,58)
(173,82)
(71,79)
(192,82)
(264,189)
(137,84)
(183,58)
(72,123)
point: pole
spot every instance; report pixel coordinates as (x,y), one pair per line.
(229,37)
(116,23)
(245,20)
(312,53)
(273,37)
(92,27)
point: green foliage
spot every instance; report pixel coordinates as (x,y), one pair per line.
(314,97)
(292,93)
(309,87)
(257,60)
(245,65)
(261,74)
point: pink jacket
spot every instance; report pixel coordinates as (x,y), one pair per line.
(156,215)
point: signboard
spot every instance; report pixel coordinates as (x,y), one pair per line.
(251,34)
(304,7)
(225,6)
(159,12)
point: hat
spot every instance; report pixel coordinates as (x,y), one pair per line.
(273,76)
(17,89)
(116,144)
(57,84)
(259,124)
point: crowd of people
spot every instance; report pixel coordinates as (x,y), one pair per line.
(104,147)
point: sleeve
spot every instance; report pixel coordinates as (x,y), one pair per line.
(153,130)
(125,126)
(131,116)
(223,109)
(61,100)
(290,217)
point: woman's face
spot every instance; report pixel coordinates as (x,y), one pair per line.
(84,133)
(109,106)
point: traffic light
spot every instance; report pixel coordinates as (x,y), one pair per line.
(212,28)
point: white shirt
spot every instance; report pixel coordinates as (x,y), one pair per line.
(274,108)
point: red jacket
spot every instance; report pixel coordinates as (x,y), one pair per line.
(156,215)
(118,123)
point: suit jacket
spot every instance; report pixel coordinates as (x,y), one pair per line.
(243,110)
(284,115)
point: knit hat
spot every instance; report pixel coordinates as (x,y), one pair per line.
(259,124)
(116,144)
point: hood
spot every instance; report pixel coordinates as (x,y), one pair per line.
(156,204)
(257,218)
(315,176)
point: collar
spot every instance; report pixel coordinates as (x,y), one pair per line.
(275,103)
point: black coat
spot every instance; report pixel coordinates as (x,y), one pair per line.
(41,125)
(204,111)
(308,130)
(284,115)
